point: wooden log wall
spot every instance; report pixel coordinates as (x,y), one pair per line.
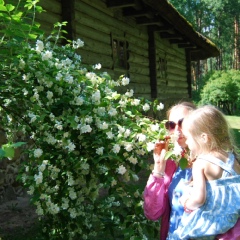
(95,24)
(174,86)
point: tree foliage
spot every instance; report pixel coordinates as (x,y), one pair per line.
(223,90)
(215,19)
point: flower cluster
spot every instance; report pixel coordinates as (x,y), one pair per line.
(176,152)
(87,141)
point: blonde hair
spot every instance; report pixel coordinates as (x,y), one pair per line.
(211,121)
(186,105)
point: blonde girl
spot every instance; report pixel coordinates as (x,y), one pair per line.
(209,208)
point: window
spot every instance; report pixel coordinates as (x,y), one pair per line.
(119,53)
(162,66)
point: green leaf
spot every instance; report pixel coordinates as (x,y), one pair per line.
(3,8)
(10,7)
(9,151)
(168,154)
(18,144)
(2,153)
(183,163)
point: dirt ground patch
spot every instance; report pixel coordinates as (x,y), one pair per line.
(16,217)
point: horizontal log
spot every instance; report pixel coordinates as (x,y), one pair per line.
(138,78)
(53,6)
(84,19)
(94,58)
(135,58)
(177,65)
(48,18)
(137,88)
(116,23)
(139,68)
(176,77)
(140,50)
(91,33)
(177,84)
(97,47)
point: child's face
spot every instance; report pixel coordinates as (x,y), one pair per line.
(191,143)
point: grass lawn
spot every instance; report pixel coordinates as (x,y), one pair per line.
(234,122)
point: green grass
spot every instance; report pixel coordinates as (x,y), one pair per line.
(234,122)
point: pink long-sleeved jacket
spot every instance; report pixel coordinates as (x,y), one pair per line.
(156,202)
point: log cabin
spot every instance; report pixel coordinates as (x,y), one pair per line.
(147,40)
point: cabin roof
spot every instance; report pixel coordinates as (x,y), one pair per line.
(162,17)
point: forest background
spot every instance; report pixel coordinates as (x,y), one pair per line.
(217,20)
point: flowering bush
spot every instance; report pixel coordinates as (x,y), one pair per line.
(87,142)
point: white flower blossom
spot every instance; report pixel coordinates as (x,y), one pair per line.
(39,210)
(42,167)
(154,127)
(103,126)
(85,128)
(113,183)
(125,81)
(65,203)
(49,94)
(71,146)
(150,146)
(160,106)
(135,102)
(97,66)
(129,93)
(99,151)
(128,147)
(79,100)
(59,76)
(77,44)
(112,112)
(68,78)
(58,125)
(146,107)
(26,77)
(50,139)
(85,166)
(38,152)
(116,148)
(38,178)
(72,194)
(33,117)
(39,46)
(133,160)
(121,169)
(25,92)
(73,213)
(127,133)
(96,96)
(123,103)
(31,190)
(22,64)
(46,55)
(110,135)
(141,137)
(177,150)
